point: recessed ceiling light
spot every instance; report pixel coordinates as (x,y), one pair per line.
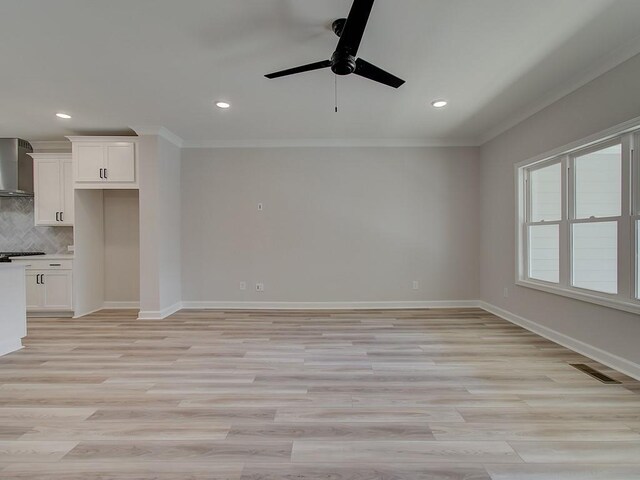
(223,105)
(63,115)
(439,103)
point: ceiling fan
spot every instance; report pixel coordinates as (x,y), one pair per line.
(343,61)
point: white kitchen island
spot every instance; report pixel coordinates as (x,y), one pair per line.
(13,307)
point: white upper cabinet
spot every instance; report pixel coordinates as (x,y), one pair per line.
(120,163)
(89,162)
(53,189)
(104,162)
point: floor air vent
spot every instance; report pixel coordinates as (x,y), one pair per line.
(594,373)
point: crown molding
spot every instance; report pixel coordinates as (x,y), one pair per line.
(333,142)
(160,132)
(603,65)
(50,155)
(53,146)
(102,138)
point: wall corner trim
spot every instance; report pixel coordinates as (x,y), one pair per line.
(84,314)
(8,346)
(611,360)
(159,314)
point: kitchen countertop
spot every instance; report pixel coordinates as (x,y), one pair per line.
(53,256)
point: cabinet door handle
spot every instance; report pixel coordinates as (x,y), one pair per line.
(105,174)
(42,279)
(57,216)
(62,216)
(101,173)
(38,279)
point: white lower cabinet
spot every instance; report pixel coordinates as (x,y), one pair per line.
(49,285)
(35,292)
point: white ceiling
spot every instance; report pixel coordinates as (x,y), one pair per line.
(119,63)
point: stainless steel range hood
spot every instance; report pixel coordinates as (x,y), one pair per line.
(16,168)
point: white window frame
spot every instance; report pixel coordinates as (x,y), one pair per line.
(527,223)
(634,201)
(628,134)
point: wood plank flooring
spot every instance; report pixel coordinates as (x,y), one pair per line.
(362,395)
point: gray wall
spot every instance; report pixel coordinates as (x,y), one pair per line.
(160,226)
(607,101)
(339,224)
(121,246)
(18,233)
(170,223)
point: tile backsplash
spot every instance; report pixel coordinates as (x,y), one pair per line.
(18,233)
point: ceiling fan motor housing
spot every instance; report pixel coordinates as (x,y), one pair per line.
(338,26)
(342,63)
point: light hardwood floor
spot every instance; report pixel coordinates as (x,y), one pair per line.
(367,395)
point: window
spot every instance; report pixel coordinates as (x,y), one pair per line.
(635,201)
(637,259)
(545,214)
(579,223)
(596,216)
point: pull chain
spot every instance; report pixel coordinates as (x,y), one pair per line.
(336,92)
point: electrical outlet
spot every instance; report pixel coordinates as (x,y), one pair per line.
(416,285)
(505,292)
(259,287)
(243,285)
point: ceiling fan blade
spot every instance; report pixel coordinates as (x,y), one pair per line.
(301,69)
(354,28)
(367,70)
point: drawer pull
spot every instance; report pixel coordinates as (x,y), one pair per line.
(55,265)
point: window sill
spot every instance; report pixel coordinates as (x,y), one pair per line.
(631,307)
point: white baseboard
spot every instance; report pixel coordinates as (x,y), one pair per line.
(328,305)
(65,314)
(8,346)
(611,360)
(121,305)
(160,314)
